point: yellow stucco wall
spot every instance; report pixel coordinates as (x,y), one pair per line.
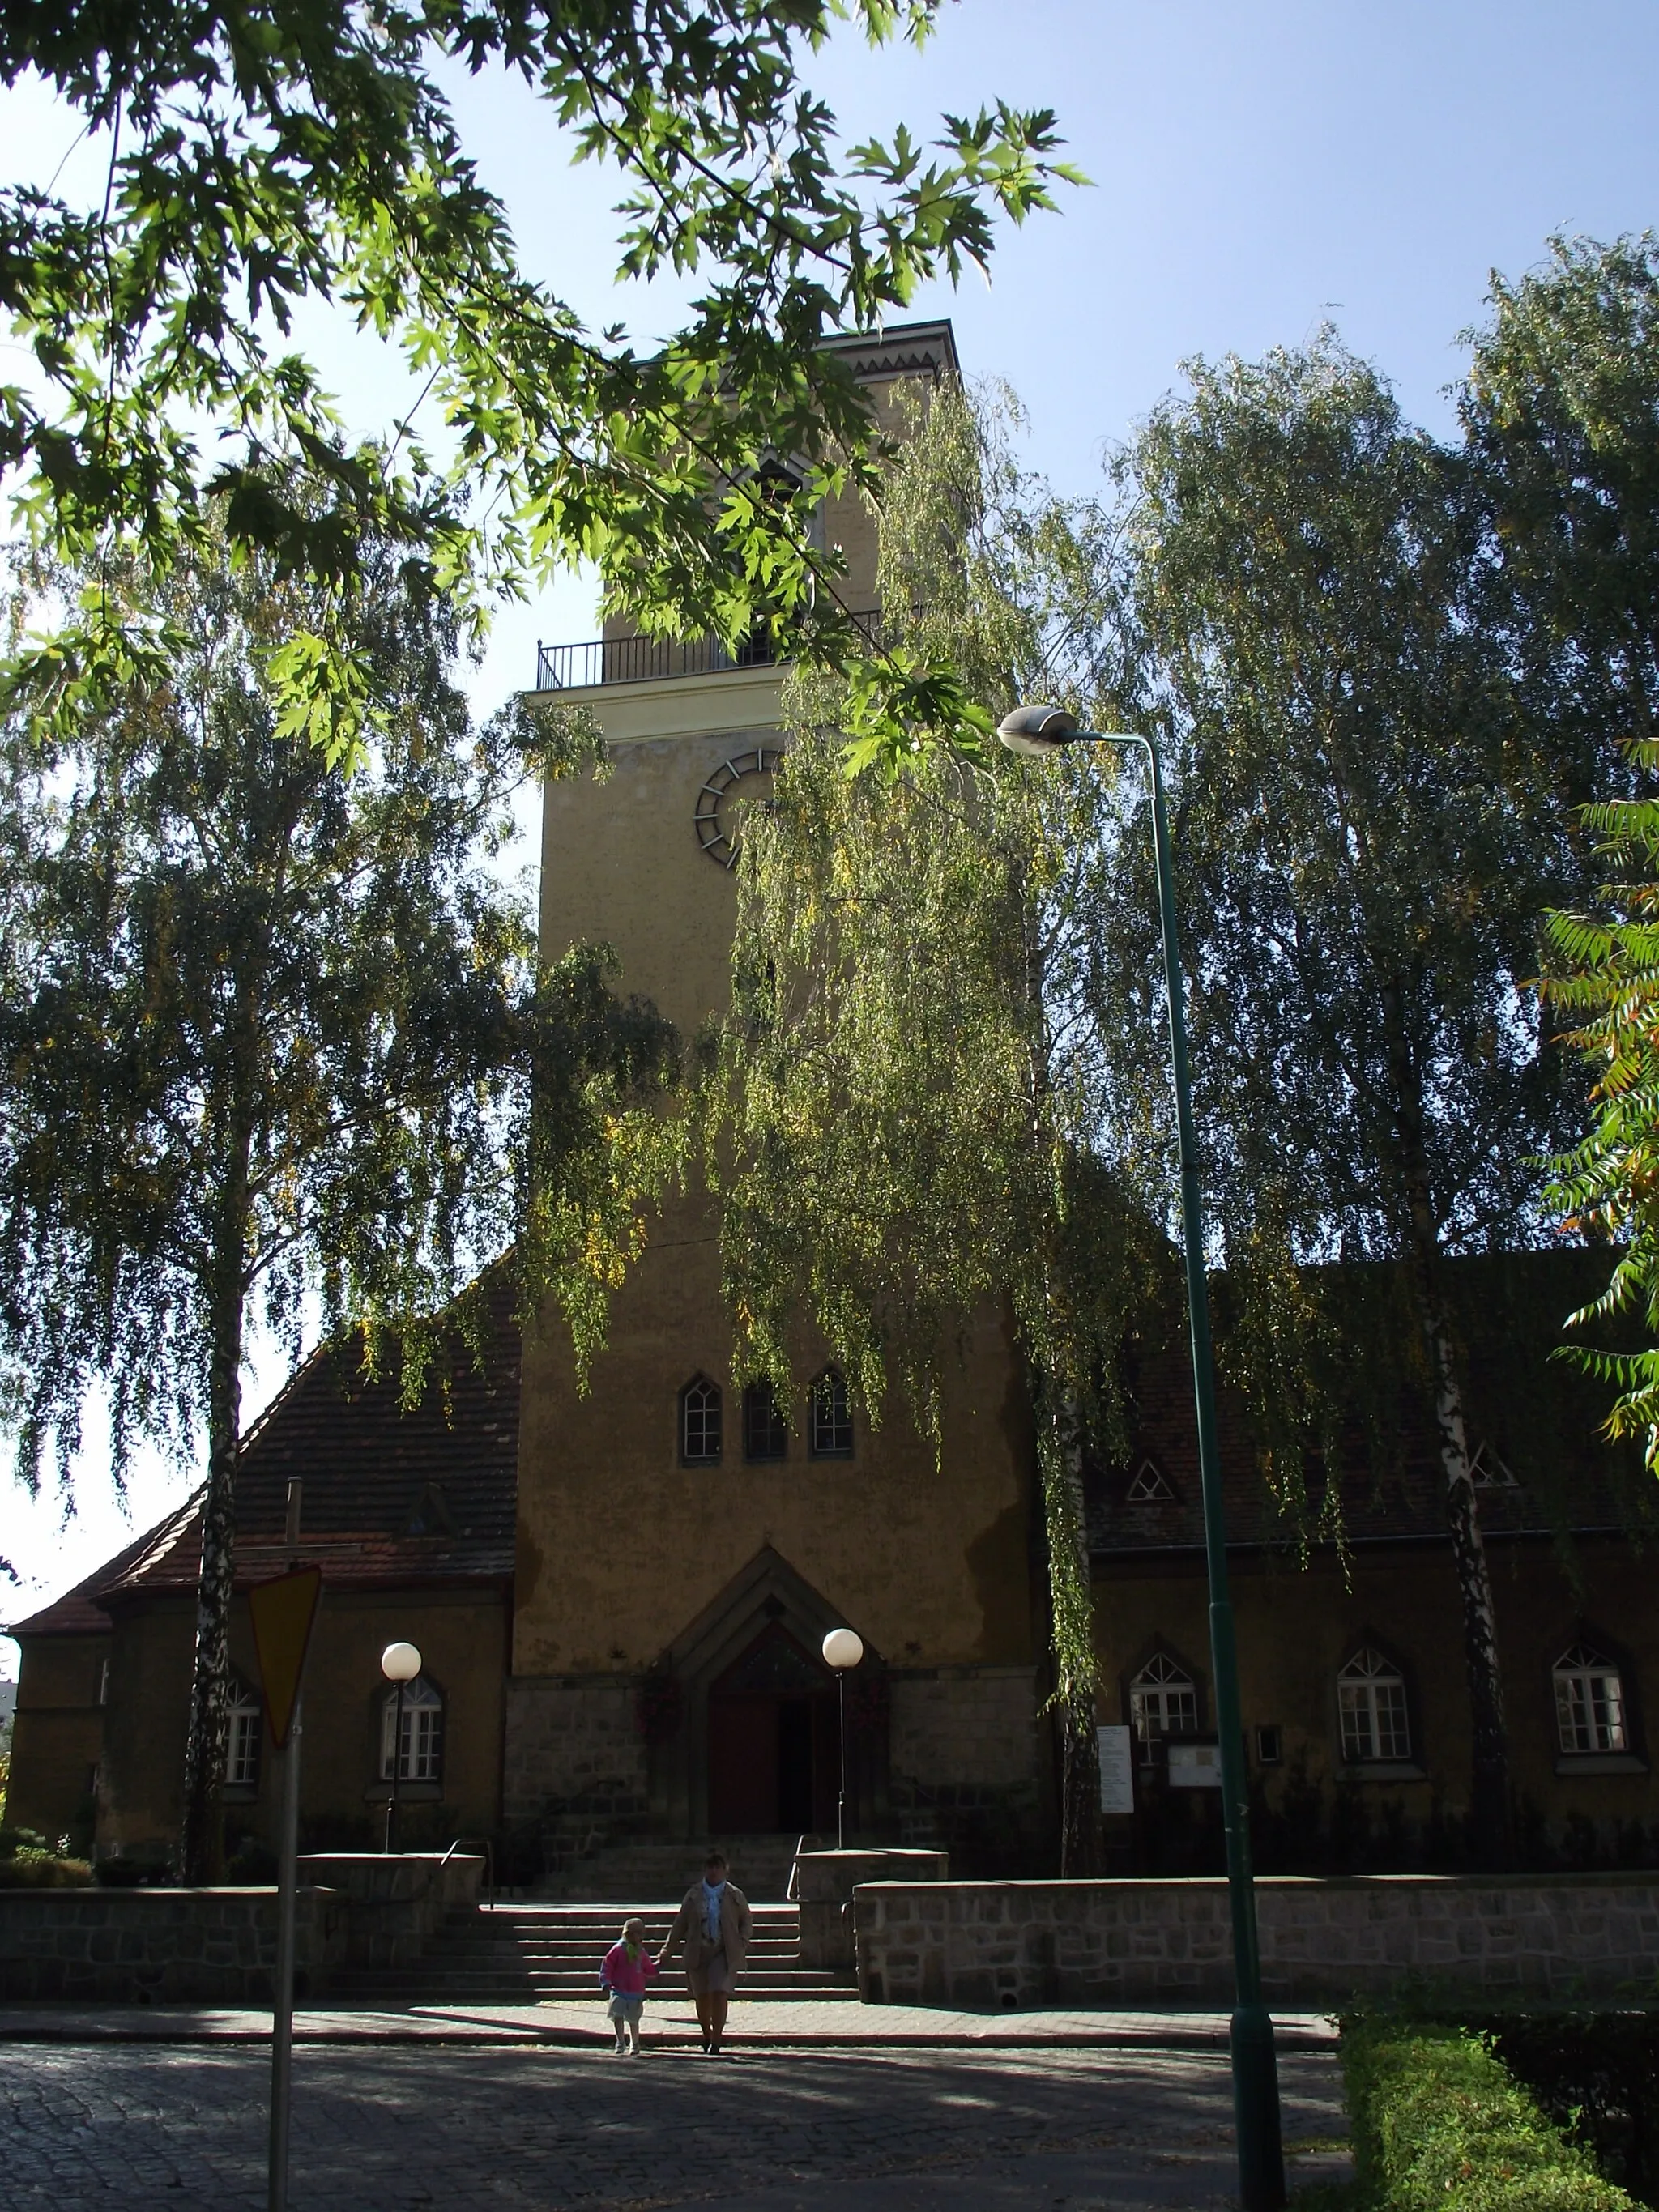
(620,1546)
(58,1735)
(462,1641)
(1296,1629)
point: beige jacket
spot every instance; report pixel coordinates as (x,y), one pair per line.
(736,1922)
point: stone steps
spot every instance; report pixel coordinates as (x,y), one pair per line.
(546,1953)
(663,1872)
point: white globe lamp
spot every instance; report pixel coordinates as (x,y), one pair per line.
(399,1664)
(843,1650)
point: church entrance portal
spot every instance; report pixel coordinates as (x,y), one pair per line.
(773,1744)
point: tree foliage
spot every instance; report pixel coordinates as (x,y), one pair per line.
(273,155)
(1607,980)
(1368,826)
(910,1088)
(269,1033)
(1562,400)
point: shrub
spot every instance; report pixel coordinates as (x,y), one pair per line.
(30,1868)
(13,1840)
(1437,2121)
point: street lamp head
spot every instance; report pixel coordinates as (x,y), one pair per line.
(400,1662)
(843,1648)
(1037,731)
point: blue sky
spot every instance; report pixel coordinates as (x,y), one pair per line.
(1259,167)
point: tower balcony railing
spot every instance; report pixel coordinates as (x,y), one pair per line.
(651,659)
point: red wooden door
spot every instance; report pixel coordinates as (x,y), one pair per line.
(743,1765)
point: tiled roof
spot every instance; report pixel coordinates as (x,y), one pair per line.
(1538,1418)
(78,1612)
(389,1499)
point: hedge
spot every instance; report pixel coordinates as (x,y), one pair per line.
(29,1868)
(1437,2121)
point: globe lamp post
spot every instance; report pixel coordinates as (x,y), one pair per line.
(1039,731)
(843,1650)
(399,1664)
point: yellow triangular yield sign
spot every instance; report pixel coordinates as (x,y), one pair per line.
(284,1611)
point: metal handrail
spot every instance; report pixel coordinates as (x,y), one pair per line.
(649,660)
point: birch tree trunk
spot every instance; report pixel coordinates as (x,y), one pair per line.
(1489,1796)
(203,1833)
(1070,1627)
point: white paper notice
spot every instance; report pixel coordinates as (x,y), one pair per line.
(1117,1770)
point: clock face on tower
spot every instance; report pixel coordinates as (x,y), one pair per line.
(740,781)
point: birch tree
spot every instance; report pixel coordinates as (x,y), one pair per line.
(269,1035)
(1366,830)
(907,1093)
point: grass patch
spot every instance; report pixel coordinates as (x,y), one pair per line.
(1438,2120)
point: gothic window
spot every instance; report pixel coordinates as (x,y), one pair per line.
(700,1422)
(1149,1485)
(1163,1701)
(1589,1701)
(765,1433)
(420,1749)
(242,1738)
(1371,1696)
(830,1433)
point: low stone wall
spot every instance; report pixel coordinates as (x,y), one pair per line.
(1128,1943)
(162,1946)
(825,1883)
(392,1904)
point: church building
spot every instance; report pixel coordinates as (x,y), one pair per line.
(621,1595)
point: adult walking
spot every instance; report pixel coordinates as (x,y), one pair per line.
(713,1923)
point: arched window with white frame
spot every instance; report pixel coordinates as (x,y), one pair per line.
(244,1734)
(1371,1697)
(700,1422)
(1163,1702)
(830,1417)
(421,1753)
(1589,1701)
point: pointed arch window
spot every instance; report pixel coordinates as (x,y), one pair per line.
(1589,1701)
(244,1734)
(830,1433)
(700,1422)
(420,1753)
(1371,1696)
(1163,1702)
(765,1432)
(1149,1485)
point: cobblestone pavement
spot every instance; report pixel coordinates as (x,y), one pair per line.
(468,2129)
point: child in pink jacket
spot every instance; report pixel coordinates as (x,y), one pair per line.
(627,1967)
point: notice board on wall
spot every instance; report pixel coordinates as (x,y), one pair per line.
(1117,1769)
(1194,1766)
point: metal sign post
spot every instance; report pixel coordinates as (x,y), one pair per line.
(282,2008)
(283,1611)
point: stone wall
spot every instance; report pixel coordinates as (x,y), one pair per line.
(574,1749)
(1011,1944)
(162,1946)
(965,1748)
(393,1903)
(824,1884)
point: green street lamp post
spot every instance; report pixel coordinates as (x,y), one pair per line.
(1041,730)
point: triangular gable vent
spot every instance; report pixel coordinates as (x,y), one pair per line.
(431,1514)
(1149,1484)
(1488,1472)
